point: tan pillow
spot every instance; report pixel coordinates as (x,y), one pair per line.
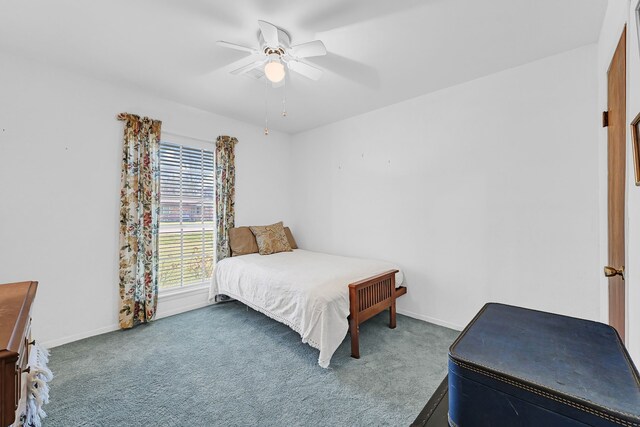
(242,241)
(292,241)
(271,239)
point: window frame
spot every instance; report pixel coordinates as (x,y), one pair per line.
(195,143)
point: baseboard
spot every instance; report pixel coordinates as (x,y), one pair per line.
(180,310)
(431,320)
(182,293)
(80,336)
(77,337)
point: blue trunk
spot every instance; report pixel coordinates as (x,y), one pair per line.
(517,367)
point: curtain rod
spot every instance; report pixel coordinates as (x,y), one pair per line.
(122,116)
(186,136)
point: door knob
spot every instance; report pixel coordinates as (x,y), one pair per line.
(612,271)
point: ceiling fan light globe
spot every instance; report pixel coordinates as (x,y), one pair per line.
(274,71)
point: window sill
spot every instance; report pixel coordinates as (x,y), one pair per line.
(189,290)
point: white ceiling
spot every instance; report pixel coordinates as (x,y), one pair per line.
(380,51)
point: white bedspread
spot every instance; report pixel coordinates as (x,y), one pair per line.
(307,291)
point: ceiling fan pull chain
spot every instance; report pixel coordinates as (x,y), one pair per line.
(266,108)
(284,99)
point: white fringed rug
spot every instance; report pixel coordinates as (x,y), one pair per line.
(37,387)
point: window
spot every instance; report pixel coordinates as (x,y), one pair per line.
(186,223)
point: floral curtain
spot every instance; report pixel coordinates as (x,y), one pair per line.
(139,210)
(225,193)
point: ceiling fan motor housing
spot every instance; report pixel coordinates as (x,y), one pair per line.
(283,39)
(271,51)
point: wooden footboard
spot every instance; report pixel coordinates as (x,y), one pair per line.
(369,297)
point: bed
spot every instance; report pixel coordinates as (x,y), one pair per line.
(320,296)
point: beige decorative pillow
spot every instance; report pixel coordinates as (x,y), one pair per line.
(271,239)
(292,241)
(242,241)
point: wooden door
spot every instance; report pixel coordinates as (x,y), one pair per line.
(616,154)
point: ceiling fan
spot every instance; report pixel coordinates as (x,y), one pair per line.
(275,52)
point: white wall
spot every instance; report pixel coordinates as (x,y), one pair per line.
(483,191)
(486,191)
(619,13)
(60,146)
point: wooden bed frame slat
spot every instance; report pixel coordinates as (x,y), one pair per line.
(369,297)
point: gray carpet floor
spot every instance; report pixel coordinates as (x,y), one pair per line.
(224,365)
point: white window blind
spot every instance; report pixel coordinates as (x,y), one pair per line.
(187,217)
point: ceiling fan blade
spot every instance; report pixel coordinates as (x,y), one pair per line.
(236,46)
(247,67)
(306,70)
(307,50)
(269,33)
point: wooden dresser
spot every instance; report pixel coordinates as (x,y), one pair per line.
(16,300)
